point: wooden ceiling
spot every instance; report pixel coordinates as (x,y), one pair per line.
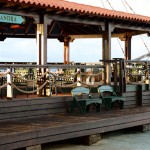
(64,23)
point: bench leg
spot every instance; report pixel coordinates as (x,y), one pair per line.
(98,107)
(121,103)
(82,107)
(108,103)
(74,104)
(87,108)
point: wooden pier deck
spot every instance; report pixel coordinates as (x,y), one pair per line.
(28,121)
(54,127)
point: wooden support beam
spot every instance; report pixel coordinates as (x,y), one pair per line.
(121,35)
(139,95)
(42,49)
(128,48)
(132,27)
(38,40)
(104,57)
(66,50)
(44,41)
(75,20)
(107,51)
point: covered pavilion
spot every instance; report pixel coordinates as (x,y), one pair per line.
(29,123)
(67,21)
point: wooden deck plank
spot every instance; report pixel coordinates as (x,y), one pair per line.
(34,107)
(69,126)
(31,101)
(64,136)
(17,115)
(30,122)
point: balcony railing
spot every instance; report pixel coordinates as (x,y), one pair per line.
(30,79)
(47,79)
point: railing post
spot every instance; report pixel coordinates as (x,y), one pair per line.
(115,74)
(9,86)
(122,78)
(78,76)
(146,73)
(139,95)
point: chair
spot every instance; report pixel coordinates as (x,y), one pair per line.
(82,100)
(109,97)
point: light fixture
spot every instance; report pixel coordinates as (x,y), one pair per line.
(14,26)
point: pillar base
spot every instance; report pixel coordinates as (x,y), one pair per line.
(9,98)
(91,139)
(141,128)
(35,147)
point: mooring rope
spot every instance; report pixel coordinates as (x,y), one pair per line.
(63,86)
(51,81)
(4,74)
(28,92)
(4,85)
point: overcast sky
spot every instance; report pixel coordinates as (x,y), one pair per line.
(81,50)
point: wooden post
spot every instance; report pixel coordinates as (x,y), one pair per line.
(121,75)
(107,51)
(39,49)
(66,50)
(146,73)
(104,57)
(78,76)
(42,50)
(128,48)
(9,86)
(115,75)
(139,95)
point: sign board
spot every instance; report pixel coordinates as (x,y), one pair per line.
(11,19)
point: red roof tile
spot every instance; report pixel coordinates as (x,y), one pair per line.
(85,9)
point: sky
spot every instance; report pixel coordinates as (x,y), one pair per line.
(81,50)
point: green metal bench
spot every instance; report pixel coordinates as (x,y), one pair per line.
(109,96)
(82,100)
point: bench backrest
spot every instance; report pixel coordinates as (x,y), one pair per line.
(108,90)
(80,92)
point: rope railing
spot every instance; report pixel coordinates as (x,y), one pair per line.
(55,85)
(63,77)
(29,92)
(22,78)
(4,74)
(4,85)
(51,79)
(89,85)
(56,76)
(91,75)
(65,86)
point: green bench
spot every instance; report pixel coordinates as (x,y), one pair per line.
(109,97)
(82,100)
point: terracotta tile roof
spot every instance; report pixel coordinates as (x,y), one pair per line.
(85,9)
